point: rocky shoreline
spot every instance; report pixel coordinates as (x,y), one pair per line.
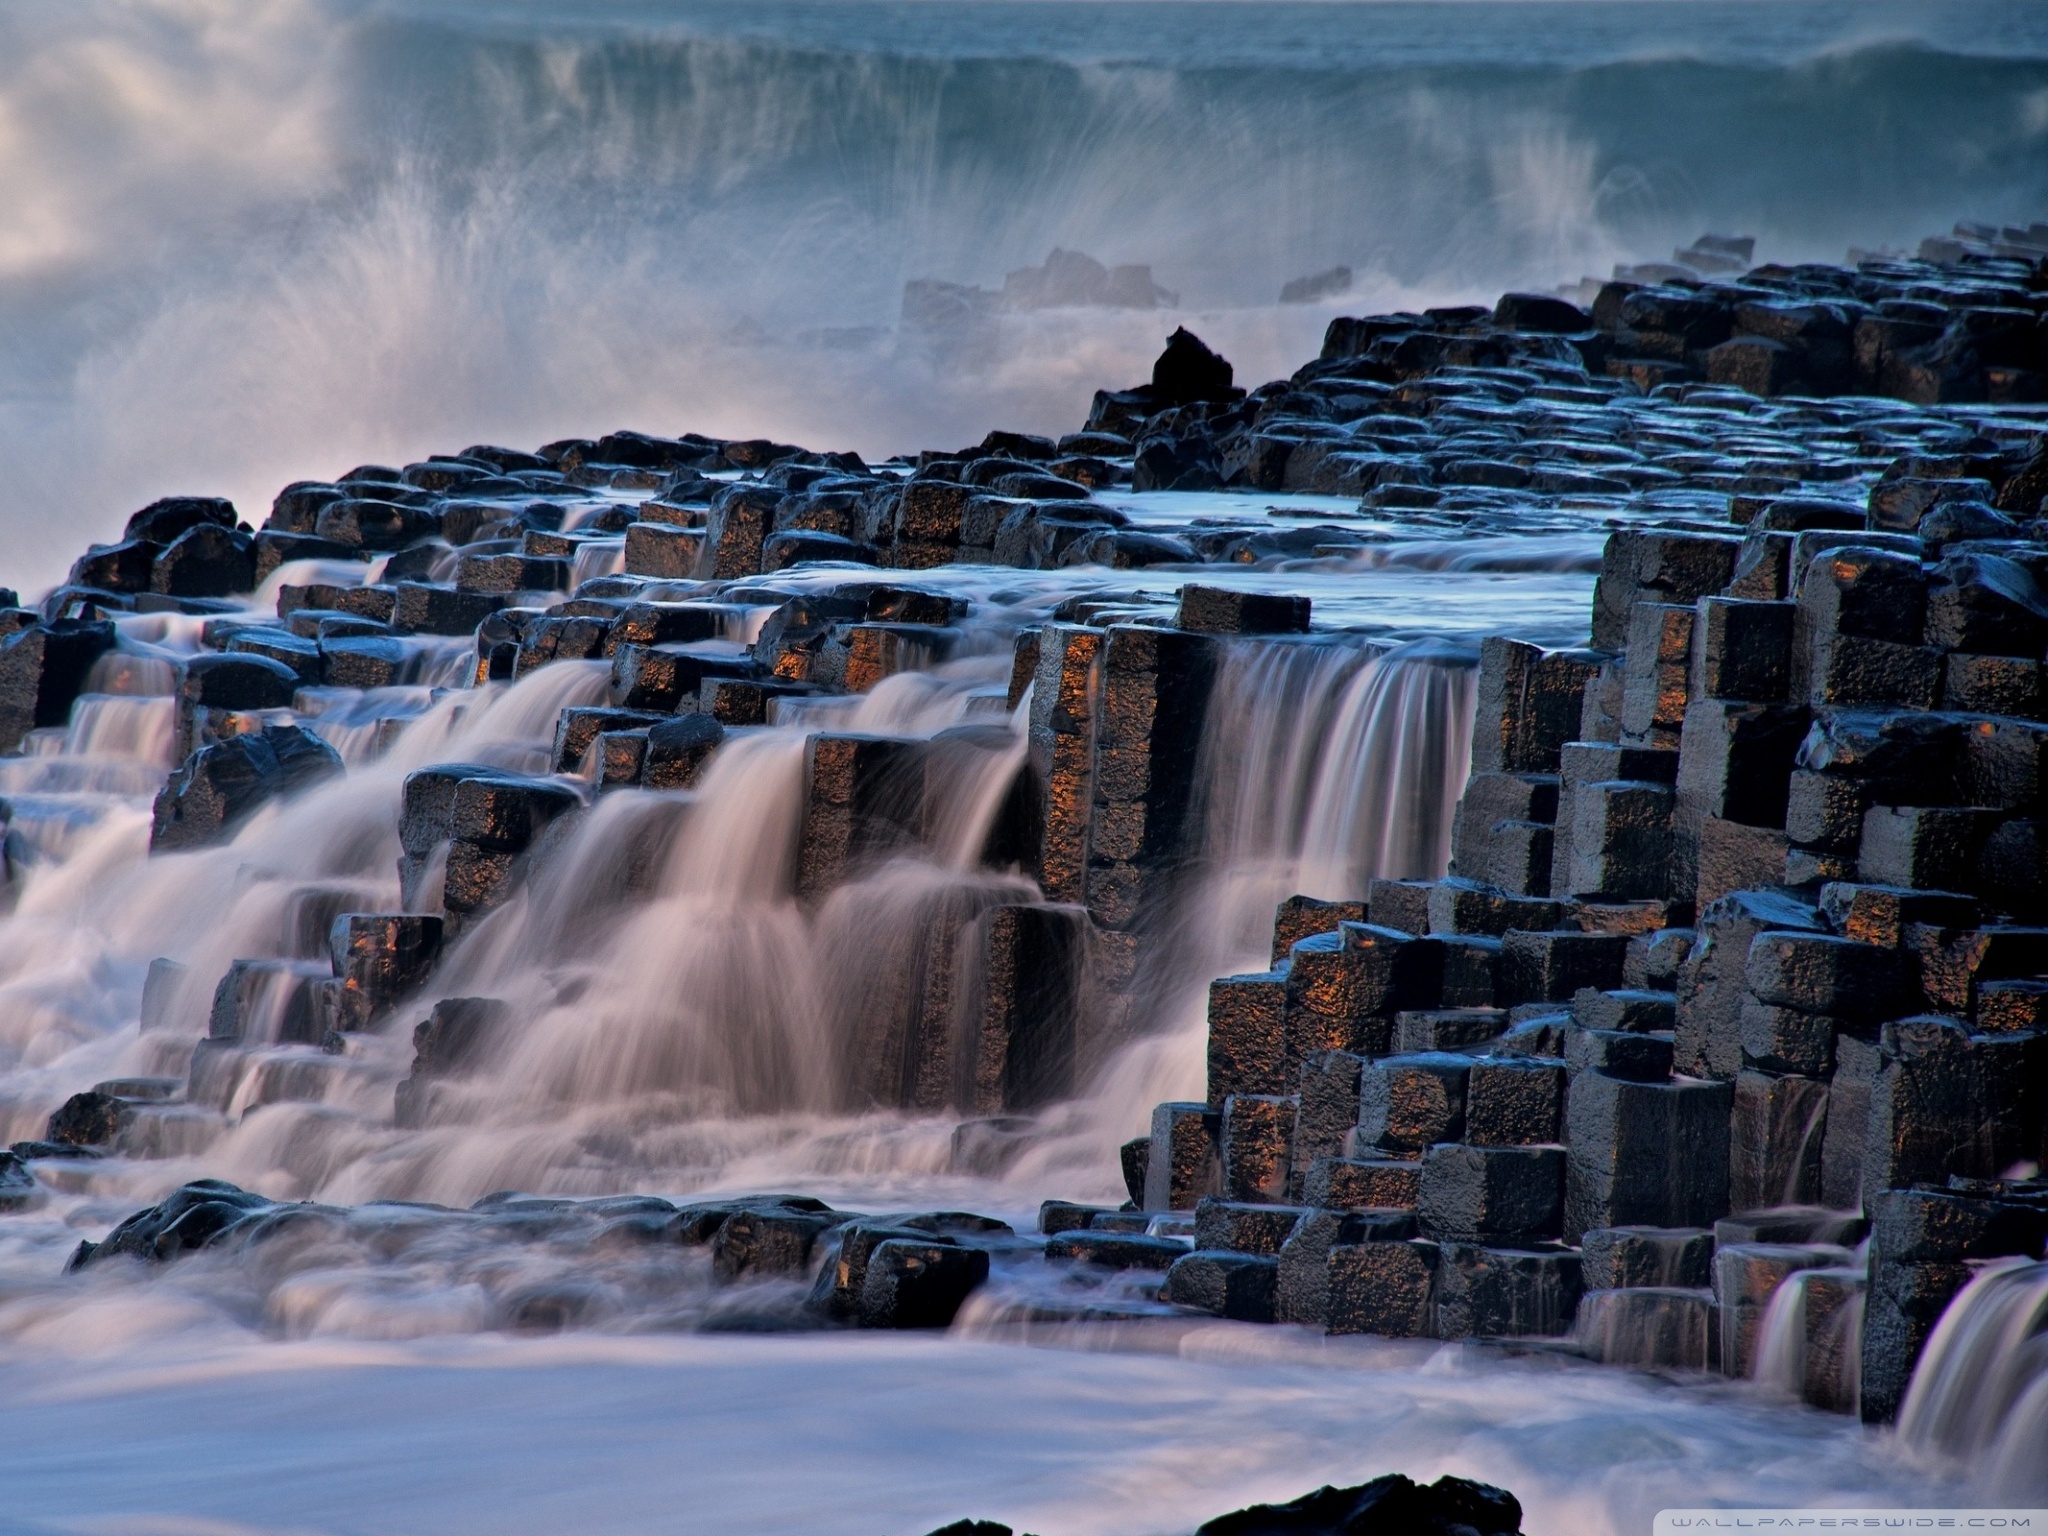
(1736,961)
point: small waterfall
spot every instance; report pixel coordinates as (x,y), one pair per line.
(171,636)
(360,725)
(895,950)
(132,672)
(1802,1168)
(969,770)
(1980,1391)
(1779,1366)
(1390,772)
(744,622)
(301,573)
(113,725)
(597,557)
(1326,766)
(666,953)
(70,781)
(1323,766)
(443,562)
(1651,1326)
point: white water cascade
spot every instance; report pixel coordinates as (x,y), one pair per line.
(1979,1396)
(1785,1341)
(1324,766)
(673,1015)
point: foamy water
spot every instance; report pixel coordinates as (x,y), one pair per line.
(1106,1436)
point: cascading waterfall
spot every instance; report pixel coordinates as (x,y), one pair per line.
(112,725)
(712,982)
(1780,1363)
(84,930)
(1643,1326)
(1980,1392)
(1388,779)
(1324,764)
(663,973)
(1785,1339)
(1323,767)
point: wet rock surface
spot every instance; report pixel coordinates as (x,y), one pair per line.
(629,1262)
(1729,805)
(1739,940)
(220,785)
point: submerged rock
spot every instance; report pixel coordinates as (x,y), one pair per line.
(18,1188)
(89,1119)
(1071,279)
(919,1282)
(1331,284)
(189,1218)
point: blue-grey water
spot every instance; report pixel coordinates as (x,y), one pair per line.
(243,243)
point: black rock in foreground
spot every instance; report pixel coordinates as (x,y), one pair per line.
(1387,1506)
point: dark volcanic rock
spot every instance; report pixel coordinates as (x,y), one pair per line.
(206,560)
(1387,1506)
(87,1120)
(1539,312)
(1220,611)
(1169,464)
(1188,372)
(1393,1505)
(678,749)
(122,567)
(767,1240)
(919,1282)
(162,522)
(219,785)
(238,682)
(43,669)
(191,1217)
(1115,1250)
(1240,1286)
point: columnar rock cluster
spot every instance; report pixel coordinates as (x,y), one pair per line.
(1735,959)
(1912,331)
(1740,956)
